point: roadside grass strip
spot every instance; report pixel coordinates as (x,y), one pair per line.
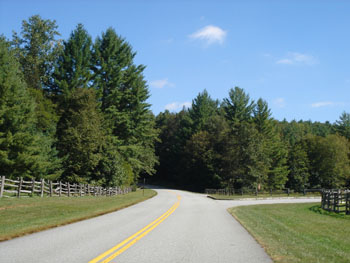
(21,216)
(297,232)
(128,242)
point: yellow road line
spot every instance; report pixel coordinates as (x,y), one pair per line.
(136,237)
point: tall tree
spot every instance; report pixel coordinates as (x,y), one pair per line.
(203,108)
(329,161)
(37,49)
(298,163)
(80,137)
(238,107)
(74,64)
(245,152)
(342,125)
(124,93)
(23,149)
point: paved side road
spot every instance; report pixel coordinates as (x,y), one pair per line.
(197,229)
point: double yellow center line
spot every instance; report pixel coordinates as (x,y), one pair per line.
(124,245)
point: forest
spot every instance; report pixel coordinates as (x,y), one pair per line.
(77,110)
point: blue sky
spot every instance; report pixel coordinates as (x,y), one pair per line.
(294,54)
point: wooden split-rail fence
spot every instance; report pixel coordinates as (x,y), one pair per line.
(232,191)
(337,201)
(20,187)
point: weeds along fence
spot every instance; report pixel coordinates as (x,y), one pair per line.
(336,200)
(255,192)
(20,187)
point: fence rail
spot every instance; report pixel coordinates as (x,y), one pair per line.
(336,200)
(246,191)
(20,187)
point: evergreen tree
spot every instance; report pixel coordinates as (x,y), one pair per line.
(37,50)
(245,151)
(262,118)
(342,126)
(80,137)
(238,106)
(22,151)
(123,93)
(298,163)
(329,161)
(74,64)
(203,108)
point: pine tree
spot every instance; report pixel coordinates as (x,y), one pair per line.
(80,137)
(74,64)
(22,151)
(238,106)
(203,108)
(342,126)
(37,49)
(124,93)
(298,164)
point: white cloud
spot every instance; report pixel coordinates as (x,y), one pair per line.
(323,104)
(161,83)
(174,106)
(210,34)
(297,58)
(280,102)
(266,55)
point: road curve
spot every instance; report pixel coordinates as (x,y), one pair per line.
(174,226)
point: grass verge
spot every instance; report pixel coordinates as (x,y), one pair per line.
(260,196)
(23,216)
(297,232)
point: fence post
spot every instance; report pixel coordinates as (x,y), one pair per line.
(347,203)
(33,186)
(80,189)
(51,190)
(60,190)
(68,189)
(88,189)
(19,187)
(42,187)
(2,186)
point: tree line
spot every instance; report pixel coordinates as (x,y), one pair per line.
(77,110)
(73,109)
(235,143)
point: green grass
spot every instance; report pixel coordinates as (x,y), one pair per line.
(27,215)
(297,232)
(238,196)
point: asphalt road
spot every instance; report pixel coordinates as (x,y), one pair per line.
(174,226)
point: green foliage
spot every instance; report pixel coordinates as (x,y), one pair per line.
(73,69)
(203,108)
(342,126)
(24,150)
(37,50)
(123,93)
(112,169)
(329,161)
(298,163)
(80,136)
(238,106)
(90,100)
